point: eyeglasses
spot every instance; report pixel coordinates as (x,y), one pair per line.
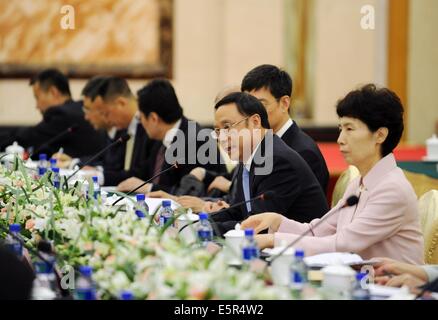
(86,110)
(217,131)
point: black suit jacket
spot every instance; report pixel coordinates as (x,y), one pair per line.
(114,160)
(299,141)
(297,193)
(84,141)
(304,145)
(187,160)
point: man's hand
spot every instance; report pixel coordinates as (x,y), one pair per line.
(264,240)
(195,203)
(62,160)
(215,206)
(199,173)
(161,194)
(263,221)
(220,183)
(132,183)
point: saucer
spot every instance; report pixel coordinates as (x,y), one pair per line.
(430,159)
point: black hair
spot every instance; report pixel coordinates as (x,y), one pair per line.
(159,96)
(92,86)
(52,77)
(247,105)
(112,87)
(16,276)
(377,108)
(277,81)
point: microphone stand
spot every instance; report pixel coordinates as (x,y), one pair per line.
(213,223)
(119,140)
(351,201)
(50,141)
(175,165)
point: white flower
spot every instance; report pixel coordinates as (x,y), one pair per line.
(40,224)
(119,281)
(70,228)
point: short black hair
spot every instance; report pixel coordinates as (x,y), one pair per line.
(112,87)
(16,276)
(92,86)
(159,96)
(277,81)
(52,77)
(247,105)
(377,108)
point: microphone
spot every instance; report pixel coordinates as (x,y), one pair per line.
(351,201)
(431,286)
(125,137)
(263,196)
(174,166)
(71,129)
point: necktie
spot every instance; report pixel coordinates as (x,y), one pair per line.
(159,161)
(245,184)
(129,150)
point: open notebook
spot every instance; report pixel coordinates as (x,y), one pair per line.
(325,259)
(344,258)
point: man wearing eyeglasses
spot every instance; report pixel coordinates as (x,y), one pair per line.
(110,104)
(266,164)
(94,112)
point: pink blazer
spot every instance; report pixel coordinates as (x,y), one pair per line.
(384,223)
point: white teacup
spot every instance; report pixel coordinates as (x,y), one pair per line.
(432,148)
(233,246)
(280,266)
(338,279)
(189,231)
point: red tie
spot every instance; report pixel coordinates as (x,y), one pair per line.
(159,161)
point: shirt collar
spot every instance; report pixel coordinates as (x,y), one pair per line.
(170,134)
(382,167)
(112,133)
(132,128)
(285,127)
(248,162)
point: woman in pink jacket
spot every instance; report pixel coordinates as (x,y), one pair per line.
(384,222)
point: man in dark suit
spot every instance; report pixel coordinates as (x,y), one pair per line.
(162,118)
(114,100)
(52,94)
(266,164)
(93,113)
(273,88)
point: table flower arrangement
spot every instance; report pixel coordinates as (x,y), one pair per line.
(126,252)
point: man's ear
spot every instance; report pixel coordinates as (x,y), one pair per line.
(154,117)
(381,135)
(54,92)
(284,103)
(121,102)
